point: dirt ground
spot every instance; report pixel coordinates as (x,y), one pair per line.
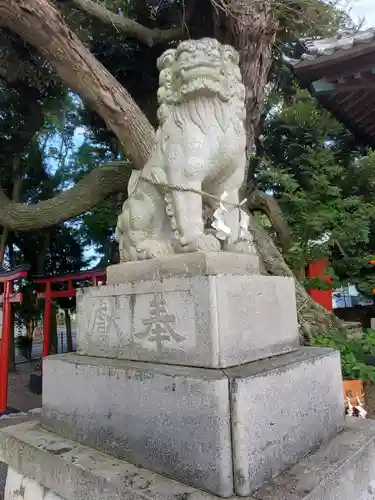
(370,400)
(19,396)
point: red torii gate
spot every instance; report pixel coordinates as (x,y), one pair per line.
(96,276)
(7,279)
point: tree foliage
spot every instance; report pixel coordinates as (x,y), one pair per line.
(121,44)
(323,182)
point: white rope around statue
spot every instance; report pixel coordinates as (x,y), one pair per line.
(222,230)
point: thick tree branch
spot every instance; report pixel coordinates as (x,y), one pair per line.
(258,200)
(129,27)
(16,195)
(88,192)
(40,24)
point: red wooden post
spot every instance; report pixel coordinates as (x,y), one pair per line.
(8,278)
(47,320)
(5,341)
(50,294)
(316,269)
(71,290)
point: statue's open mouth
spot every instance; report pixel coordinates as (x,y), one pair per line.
(198,71)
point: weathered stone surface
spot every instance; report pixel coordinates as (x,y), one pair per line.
(21,487)
(208,321)
(177,421)
(76,472)
(183,266)
(281,408)
(171,420)
(341,469)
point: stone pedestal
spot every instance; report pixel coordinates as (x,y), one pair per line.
(55,468)
(220,313)
(188,367)
(246,403)
(199,425)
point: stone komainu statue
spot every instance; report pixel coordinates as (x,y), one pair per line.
(200,147)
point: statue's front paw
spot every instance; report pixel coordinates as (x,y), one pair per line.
(241,246)
(205,243)
(125,255)
(153,249)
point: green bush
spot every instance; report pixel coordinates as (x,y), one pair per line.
(356,354)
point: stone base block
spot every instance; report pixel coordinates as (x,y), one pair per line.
(19,486)
(341,469)
(224,431)
(183,266)
(214,317)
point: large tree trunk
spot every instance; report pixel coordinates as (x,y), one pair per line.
(313,318)
(16,194)
(252,32)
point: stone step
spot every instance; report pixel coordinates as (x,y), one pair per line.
(58,468)
(196,310)
(198,425)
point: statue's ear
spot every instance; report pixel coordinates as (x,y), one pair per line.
(166,59)
(230,53)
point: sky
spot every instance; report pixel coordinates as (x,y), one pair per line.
(363,9)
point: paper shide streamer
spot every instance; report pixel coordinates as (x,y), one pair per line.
(223,231)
